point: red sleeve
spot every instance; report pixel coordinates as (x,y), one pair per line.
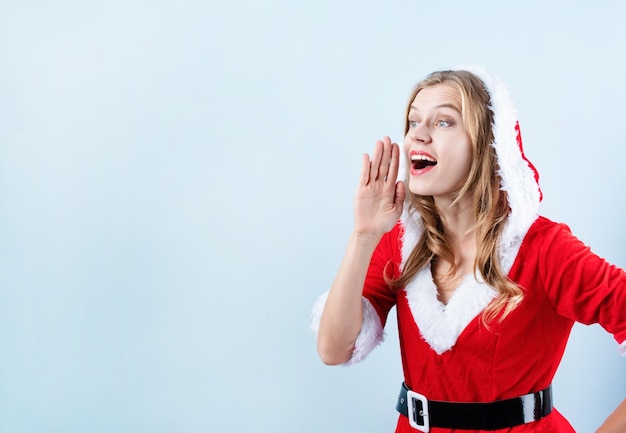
(581,285)
(385,261)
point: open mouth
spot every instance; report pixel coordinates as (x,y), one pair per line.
(420,162)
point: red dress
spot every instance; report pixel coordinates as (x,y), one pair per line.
(449,355)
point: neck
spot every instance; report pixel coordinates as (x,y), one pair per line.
(460,231)
(459,220)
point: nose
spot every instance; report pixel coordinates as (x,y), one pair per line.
(419,133)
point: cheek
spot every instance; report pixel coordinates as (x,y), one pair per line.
(468,154)
(406,145)
(463,162)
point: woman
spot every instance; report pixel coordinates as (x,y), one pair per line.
(486,290)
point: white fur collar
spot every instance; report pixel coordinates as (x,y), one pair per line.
(441,324)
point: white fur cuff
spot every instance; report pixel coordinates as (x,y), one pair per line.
(622,348)
(370,336)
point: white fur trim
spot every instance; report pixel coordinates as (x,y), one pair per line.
(316,312)
(622,348)
(441,324)
(518,179)
(370,335)
(413,228)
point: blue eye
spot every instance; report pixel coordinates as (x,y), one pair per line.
(443,123)
(412,124)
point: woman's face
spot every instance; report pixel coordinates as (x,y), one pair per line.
(438,149)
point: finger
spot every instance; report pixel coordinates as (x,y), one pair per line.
(394,164)
(386,157)
(376,158)
(365,170)
(400,194)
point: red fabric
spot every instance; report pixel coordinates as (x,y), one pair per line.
(563,282)
(518,137)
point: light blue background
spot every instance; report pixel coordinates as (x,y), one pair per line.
(176,184)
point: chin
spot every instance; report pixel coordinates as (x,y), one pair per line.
(419,189)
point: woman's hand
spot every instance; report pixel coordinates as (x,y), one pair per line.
(377,208)
(379,199)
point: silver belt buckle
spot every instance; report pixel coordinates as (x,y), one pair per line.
(416,413)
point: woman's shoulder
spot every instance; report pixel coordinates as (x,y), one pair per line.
(544,226)
(547,235)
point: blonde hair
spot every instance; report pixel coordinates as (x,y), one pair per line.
(482,185)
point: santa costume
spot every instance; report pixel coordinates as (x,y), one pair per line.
(448,354)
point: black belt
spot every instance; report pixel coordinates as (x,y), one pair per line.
(424,413)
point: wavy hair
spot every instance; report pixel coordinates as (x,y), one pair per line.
(483,185)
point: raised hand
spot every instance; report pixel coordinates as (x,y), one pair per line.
(377,206)
(379,198)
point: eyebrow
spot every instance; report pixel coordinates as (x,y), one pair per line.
(453,107)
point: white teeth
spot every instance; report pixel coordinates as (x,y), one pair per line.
(422,158)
